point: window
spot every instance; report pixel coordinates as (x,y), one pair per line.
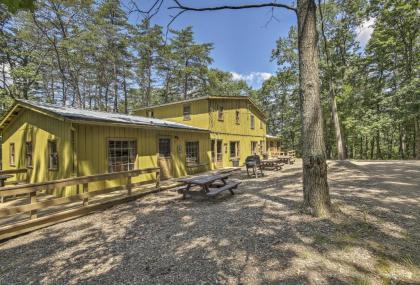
(52,155)
(191,153)
(261,125)
(12,154)
(164,147)
(121,155)
(254,147)
(252,122)
(262,147)
(234,149)
(237,117)
(150,114)
(220,113)
(187,112)
(28,154)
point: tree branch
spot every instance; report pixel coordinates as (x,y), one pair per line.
(231,7)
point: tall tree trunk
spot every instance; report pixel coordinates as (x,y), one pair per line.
(315,184)
(115,88)
(378,146)
(417,136)
(125,91)
(341,148)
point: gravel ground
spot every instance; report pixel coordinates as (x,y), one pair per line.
(257,236)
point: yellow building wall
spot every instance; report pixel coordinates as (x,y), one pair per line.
(174,112)
(205,115)
(92,156)
(38,128)
(229,124)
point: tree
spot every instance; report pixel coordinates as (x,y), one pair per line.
(315,184)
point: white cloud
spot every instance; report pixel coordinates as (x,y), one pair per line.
(364,31)
(254,79)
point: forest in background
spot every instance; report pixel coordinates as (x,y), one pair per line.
(86,54)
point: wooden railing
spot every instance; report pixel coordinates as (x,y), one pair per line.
(32,189)
(16,226)
(14,171)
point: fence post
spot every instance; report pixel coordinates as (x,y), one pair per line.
(32,198)
(129,185)
(85,190)
(158,178)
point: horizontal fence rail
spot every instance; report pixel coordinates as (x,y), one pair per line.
(34,205)
(14,171)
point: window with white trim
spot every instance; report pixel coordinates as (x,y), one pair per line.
(12,157)
(121,154)
(192,152)
(52,155)
(28,154)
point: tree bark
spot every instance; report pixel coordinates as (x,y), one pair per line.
(315,184)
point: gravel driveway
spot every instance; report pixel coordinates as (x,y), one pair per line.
(257,236)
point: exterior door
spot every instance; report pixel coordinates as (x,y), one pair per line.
(219,154)
(164,158)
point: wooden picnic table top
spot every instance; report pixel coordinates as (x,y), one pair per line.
(5,176)
(204,179)
(271,160)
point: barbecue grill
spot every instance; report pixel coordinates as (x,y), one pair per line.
(253,162)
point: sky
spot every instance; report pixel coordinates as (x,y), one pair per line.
(243,39)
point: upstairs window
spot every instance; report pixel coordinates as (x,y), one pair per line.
(220,113)
(121,155)
(252,122)
(261,125)
(234,149)
(237,117)
(12,158)
(28,154)
(187,112)
(52,155)
(192,153)
(150,114)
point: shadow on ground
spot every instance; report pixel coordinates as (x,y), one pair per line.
(257,236)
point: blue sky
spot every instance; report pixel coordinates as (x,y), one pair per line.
(243,39)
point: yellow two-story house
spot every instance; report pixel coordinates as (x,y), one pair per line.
(237,127)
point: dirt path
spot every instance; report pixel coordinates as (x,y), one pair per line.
(257,236)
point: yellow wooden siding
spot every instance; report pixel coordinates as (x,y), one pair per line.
(37,128)
(244,147)
(229,124)
(92,150)
(174,112)
(227,129)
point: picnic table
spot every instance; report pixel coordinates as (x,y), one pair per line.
(210,184)
(274,163)
(3,179)
(284,159)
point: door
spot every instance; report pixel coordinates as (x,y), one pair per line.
(165,158)
(219,154)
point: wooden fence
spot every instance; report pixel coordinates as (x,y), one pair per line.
(34,205)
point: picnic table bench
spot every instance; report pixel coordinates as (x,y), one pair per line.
(275,164)
(210,184)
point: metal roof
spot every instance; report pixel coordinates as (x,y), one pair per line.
(74,114)
(205,98)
